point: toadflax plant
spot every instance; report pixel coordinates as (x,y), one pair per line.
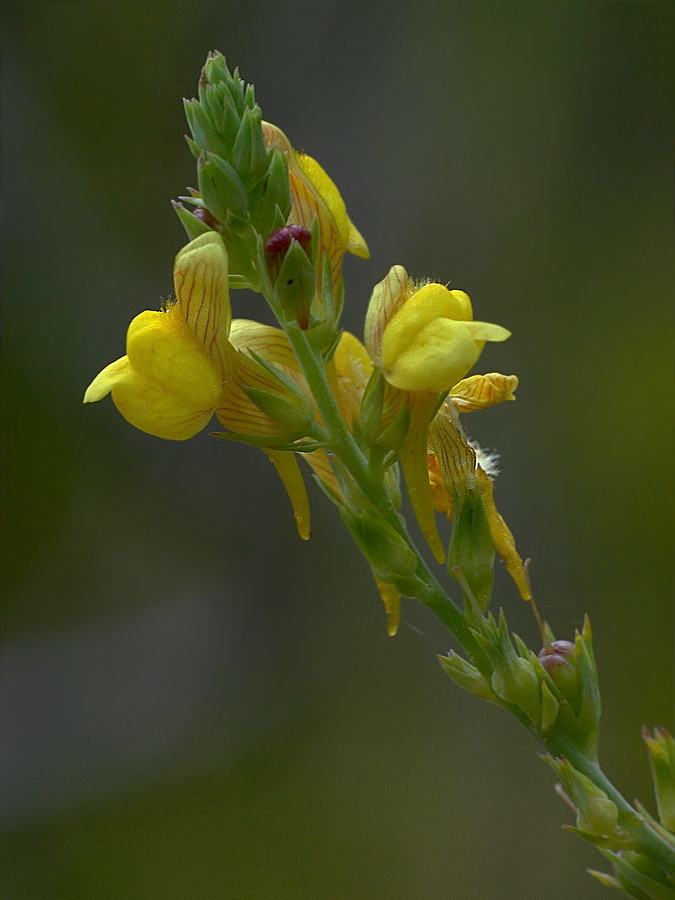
(361,414)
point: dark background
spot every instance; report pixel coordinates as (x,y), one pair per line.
(198,705)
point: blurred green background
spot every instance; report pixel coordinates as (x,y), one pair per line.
(198,705)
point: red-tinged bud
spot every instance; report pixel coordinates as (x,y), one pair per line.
(289,263)
(559,660)
(556,656)
(278,243)
(205,216)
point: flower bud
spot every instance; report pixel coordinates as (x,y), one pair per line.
(558,659)
(467,676)
(472,550)
(294,276)
(278,244)
(221,187)
(662,761)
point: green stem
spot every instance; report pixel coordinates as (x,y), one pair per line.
(368,478)
(372,487)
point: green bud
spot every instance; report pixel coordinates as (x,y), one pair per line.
(558,660)
(640,876)
(215,70)
(596,813)
(249,154)
(472,550)
(385,549)
(392,438)
(549,710)
(270,199)
(221,187)
(514,678)
(372,404)
(295,285)
(207,135)
(192,225)
(467,677)
(661,749)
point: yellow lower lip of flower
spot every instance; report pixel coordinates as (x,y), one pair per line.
(166,385)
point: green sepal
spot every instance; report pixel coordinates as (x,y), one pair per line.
(299,422)
(194,149)
(468,677)
(221,188)
(294,287)
(277,442)
(661,747)
(514,679)
(192,225)
(249,154)
(205,132)
(549,709)
(372,404)
(638,883)
(392,438)
(471,547)
(271,199)
(597,815)
(390,557)
(301,398)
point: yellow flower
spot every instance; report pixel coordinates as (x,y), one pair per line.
(424,340)
(432,341)
(190,360)
(315,195)
(173,375)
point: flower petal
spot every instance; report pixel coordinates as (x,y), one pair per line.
(171,387)
(264,340)
(413,456)
(433,359)
(387,298)
(288,470)
(106,380)
(481,391)
(201,283)
(392,605)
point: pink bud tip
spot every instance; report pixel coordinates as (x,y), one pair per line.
(281,239)
(204,216)
(556,656)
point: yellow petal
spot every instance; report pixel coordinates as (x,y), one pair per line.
(106,380)
(327,189)
(481,391)
(289,471)
(264,340)
(171,387)
(321,201)
(433,359)
(392,605)
(503,538)
(202,290)
(319,463)
(352,361)
(425,307)
(413,458)
(387,299)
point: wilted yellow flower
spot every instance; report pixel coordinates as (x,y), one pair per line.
(454,468)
